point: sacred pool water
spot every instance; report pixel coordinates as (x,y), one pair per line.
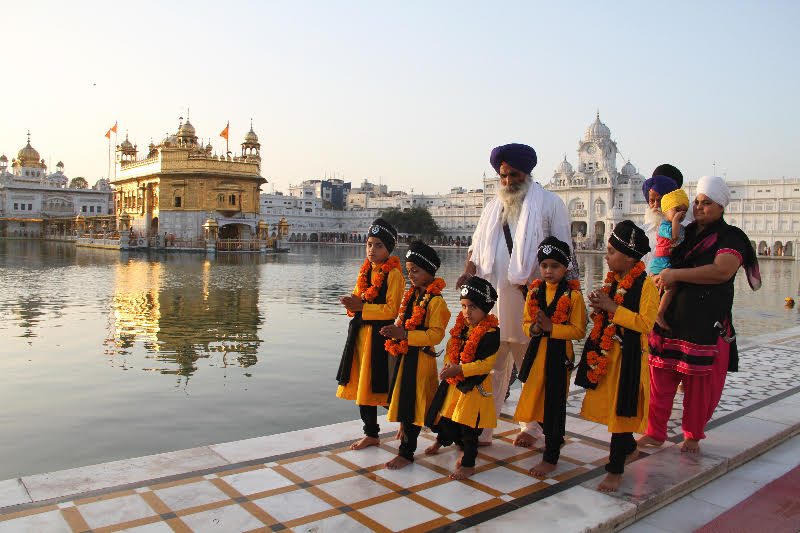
(107,355)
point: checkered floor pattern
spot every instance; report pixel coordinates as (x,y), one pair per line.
(333,489)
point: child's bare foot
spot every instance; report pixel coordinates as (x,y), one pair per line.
(433,449)
(690,445)
(662,322)
(524,440)
(366,442)
(543,469)
(648,441)
(397,463)
(462,472)
(631,456)
(610,483)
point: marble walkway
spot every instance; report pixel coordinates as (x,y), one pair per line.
(310,481)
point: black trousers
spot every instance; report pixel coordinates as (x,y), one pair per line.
(622,445)
(462,436)
(552,448)
(408,444)
(369,415)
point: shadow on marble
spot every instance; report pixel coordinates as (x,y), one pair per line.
(12,492)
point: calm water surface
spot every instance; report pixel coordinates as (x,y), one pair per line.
(105,356)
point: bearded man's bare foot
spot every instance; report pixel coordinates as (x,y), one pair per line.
(543,469)
(524,440)
(366,442)
(648,441)
(433,449)
(690,446)
(397,463)
(462,472)
(610,483)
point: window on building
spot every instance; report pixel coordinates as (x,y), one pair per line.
(232,199)
(177,201)
(619,204)
(83,209)
(16,206)
(91,209)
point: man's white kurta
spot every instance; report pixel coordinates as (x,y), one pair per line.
(543,215)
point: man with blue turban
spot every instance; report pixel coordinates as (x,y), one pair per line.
(503,251)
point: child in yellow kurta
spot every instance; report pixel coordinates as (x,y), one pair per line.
(554,316)
(614,367)
(463,405)
(419,327)
(363,373)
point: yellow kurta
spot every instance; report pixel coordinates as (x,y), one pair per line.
(436,318)
(530,407)
(600,404)
(360,386)
(472,409)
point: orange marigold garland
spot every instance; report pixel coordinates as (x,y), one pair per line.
(368,292)
(400,347)
(598,362)
(561,314)
(459,351)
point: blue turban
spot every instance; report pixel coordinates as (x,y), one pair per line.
(520,156)
(661,184)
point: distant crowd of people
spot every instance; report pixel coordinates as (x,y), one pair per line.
(662,318)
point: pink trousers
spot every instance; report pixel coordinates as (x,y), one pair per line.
(701,394)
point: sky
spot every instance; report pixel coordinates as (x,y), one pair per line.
(413,94)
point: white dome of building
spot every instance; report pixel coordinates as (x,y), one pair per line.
(597,130)
(628,169)
(564,167)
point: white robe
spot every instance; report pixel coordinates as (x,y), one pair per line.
(543,215)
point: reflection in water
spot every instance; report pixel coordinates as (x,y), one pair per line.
(181,309)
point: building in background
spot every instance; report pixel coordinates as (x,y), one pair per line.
(180,187)
(34,202)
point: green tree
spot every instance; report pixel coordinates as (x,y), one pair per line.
(415,221)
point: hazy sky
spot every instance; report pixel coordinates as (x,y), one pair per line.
(412,93)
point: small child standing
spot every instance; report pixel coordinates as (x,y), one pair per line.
(613,368)
(463,404)
(420,326)
(363,374)
(674,205)
(554,316)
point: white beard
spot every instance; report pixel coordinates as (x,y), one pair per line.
(512,200)
(653,217)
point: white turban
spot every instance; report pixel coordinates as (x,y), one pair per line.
(715,188)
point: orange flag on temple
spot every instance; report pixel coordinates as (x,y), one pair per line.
(112,128)
(224,133)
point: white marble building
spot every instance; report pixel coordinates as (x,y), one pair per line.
(30,197)
(598,196)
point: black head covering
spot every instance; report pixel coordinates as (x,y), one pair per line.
(480,292)
(520,156)
(384,231)
(669,171)
(630,239)
(424,257)
(552,248)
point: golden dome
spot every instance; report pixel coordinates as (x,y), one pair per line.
(251,136)
(28,154)
(186,129)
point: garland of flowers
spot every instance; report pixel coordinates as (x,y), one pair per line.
(400,347)
(561,314)
(598,362)
(460,352)
(368,292)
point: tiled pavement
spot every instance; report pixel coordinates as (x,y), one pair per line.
(310,481)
